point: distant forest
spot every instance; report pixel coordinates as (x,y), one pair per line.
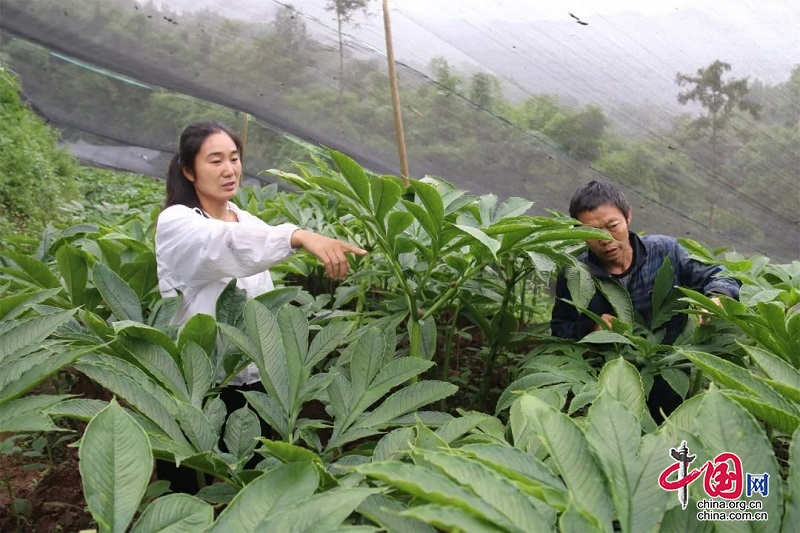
(731,171)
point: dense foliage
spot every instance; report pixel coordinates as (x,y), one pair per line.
(35,177)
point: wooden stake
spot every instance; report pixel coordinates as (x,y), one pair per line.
(245,121)
(398,117)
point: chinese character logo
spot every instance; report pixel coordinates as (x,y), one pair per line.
(681,484)
(757,483)
(723,476)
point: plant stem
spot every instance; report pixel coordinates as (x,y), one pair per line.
(448,348)
(497,341)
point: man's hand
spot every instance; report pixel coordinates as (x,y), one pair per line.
(330,251)
(703,319)
(607,319)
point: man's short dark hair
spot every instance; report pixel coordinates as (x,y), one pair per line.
(594,194)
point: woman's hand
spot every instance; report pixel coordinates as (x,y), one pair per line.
(330,251)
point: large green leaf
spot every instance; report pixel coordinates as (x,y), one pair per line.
(175,513)
(775,416)
(140,274)
(622,381)
(386,192)
(727,427)
(197,372)
(426,221)
(399,221)
(512,207)
(428,484)
(293,326)
(28,414)
(569,450)
(649,501)
(241,431)
(263,498)
(262,327)
(163,311)
(491,486)
(580,284)
(34,270)
(200,329)
(492,245)
(613,433)
(394,444)
(78,408)
(367,359)
(129,328)
(27,375)
(785,415)
(158,362)
(447,518)
(22,333)
(230,304)
(606,337)
(17,303)
(325,341)
(320,512)
(354,175)
(407,400)
(197,427)
(775,367)
(528,472)
(618,297)
(662,288)
(73,264)
(136,388)
(460,426)
(115,464)
(270,410)
(386,512)
(117,294)
(431,199)
(277,298)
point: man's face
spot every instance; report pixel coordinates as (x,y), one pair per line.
(608,217)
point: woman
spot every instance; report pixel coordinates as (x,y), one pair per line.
(203,240)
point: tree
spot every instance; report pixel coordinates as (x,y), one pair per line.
(581,134)
(720,99)
(344,10)
(444,76)
(538,110)
(484,90)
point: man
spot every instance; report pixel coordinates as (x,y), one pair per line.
(633,262)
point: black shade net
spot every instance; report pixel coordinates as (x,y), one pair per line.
(489,103)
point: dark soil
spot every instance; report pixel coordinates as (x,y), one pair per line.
(52,496)
(47,487)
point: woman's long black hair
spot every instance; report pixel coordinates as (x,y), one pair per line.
(181,191)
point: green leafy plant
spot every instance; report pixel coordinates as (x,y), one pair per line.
(439,255)
(115,467)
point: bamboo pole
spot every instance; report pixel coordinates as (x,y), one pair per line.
(245,122)
(398,117)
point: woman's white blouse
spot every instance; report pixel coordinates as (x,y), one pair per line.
(198,256)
